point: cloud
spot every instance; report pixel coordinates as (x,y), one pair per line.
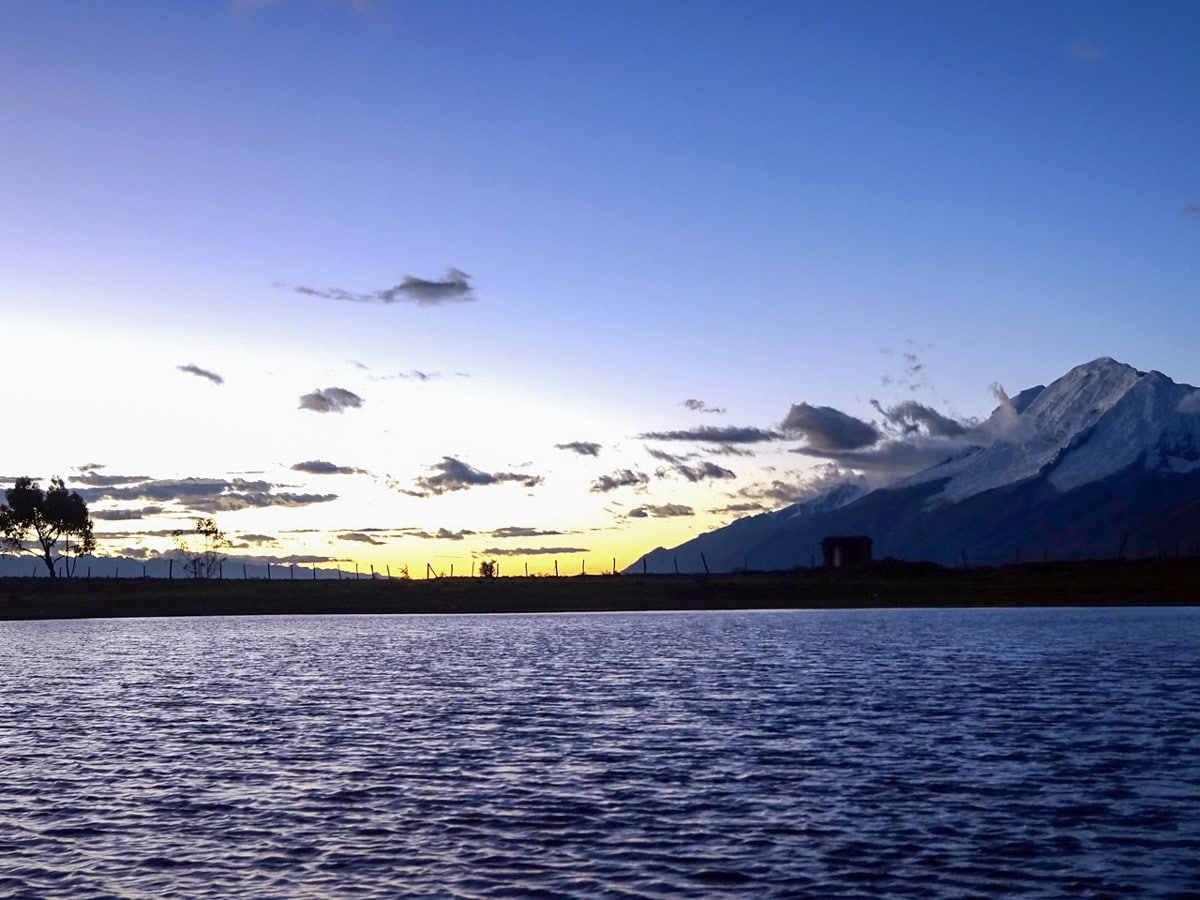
(93,479)
(668,511)
(730,435)
(205,495)
(513,531)
(893,458)
(202,373)
(455,285)
(910,416)
(442,534)
(125,515)
(321,467)
(826,428)
(1190,404)
(248,539)
(360,537)
(738,509)
(1192,209)
(702,472)
(701,406)
(1086,50)
(618,479)
(331,399)
(455,475)
(533,551)
(583,448)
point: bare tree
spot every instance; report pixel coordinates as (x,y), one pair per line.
(49,516)
(201,548)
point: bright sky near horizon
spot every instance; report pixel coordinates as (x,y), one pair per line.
(398,282)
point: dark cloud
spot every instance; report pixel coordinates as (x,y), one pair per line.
(513,531)
(680,465)
(618,479)
(454,286)
(202,373)
(893,458)
(729,435)
(125,515)
(664,456)
(331,399)
(442,534)
(826,428)
(583,448)
(204,495)
(706,470)
(701,406)
(257,539)
(910,416)
(668,511)
(728,450)
(360,537)
(738,509)
(93,479)
(321,467)
(455,475)
(533,551)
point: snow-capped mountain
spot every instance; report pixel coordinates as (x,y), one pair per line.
(1105,460)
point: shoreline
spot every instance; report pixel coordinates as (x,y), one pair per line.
(881,585)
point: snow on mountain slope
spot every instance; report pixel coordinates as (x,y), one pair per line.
(1097,419)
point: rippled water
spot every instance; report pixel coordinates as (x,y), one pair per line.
(790,754)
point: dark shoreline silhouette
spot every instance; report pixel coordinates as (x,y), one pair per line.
(1098,583)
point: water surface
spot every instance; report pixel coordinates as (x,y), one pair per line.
(924,753)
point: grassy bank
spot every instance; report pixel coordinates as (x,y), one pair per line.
(1107,583)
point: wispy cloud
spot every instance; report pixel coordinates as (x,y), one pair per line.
(702,407)
(513,531)
(715,435)
(826,428)
(667,511)
(454,286)
(126,514)
(910,417)
(321,467)
(618,479)
(683,467)
(360,537)
(201,373)
(455,475)
(331,399)
(582,448)
(201,495)
(442,534)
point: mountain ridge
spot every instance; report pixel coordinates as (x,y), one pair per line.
(1103,461)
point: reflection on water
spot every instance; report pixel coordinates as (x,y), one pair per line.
(932,753)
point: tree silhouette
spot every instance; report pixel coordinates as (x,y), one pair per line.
(488,568)
(200,548)
(48,515)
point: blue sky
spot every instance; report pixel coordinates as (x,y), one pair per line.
(747,206)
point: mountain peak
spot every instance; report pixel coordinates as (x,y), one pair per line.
(1102,453)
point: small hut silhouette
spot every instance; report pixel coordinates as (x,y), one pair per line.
(847,550)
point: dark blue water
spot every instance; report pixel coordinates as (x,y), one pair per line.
(1037,753)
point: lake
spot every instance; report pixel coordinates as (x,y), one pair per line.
(858,753)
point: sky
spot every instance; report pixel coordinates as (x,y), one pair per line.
(557,283)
